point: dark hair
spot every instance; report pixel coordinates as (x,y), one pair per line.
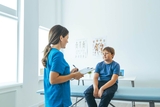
(53,39)
(109,49)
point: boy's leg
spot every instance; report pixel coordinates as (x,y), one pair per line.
(107,96)
(90,99)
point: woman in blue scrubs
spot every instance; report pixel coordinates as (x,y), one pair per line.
(57,72)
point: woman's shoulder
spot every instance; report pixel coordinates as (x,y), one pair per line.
(56,52)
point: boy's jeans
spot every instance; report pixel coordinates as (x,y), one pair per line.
(105,98)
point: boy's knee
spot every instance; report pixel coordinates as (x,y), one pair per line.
(85,92)
(107,95)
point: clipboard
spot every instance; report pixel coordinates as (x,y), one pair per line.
(86,70)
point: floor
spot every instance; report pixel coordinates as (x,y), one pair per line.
(115,103)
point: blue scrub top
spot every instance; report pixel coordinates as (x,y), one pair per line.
(56,95)
(106,71)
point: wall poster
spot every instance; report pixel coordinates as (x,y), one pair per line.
(81,48)
(97,46)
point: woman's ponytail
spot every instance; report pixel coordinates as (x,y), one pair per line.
(46,51)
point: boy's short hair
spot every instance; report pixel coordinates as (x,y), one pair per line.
(109,49)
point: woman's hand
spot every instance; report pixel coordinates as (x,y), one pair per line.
(74,70)
(78,75)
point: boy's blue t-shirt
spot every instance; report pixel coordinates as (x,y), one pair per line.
(56,95)
(106,71)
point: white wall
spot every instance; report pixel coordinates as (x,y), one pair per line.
(49,13)
(130,26)
(30,83)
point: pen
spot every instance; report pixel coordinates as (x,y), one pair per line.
(75,67)
(77,70)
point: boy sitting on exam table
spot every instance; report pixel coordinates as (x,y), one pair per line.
(105,81)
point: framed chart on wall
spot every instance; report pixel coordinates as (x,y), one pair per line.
(97,46)
(81,48)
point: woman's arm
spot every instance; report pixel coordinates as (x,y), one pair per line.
(55,78)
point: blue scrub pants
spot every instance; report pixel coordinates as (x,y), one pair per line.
(105,98)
